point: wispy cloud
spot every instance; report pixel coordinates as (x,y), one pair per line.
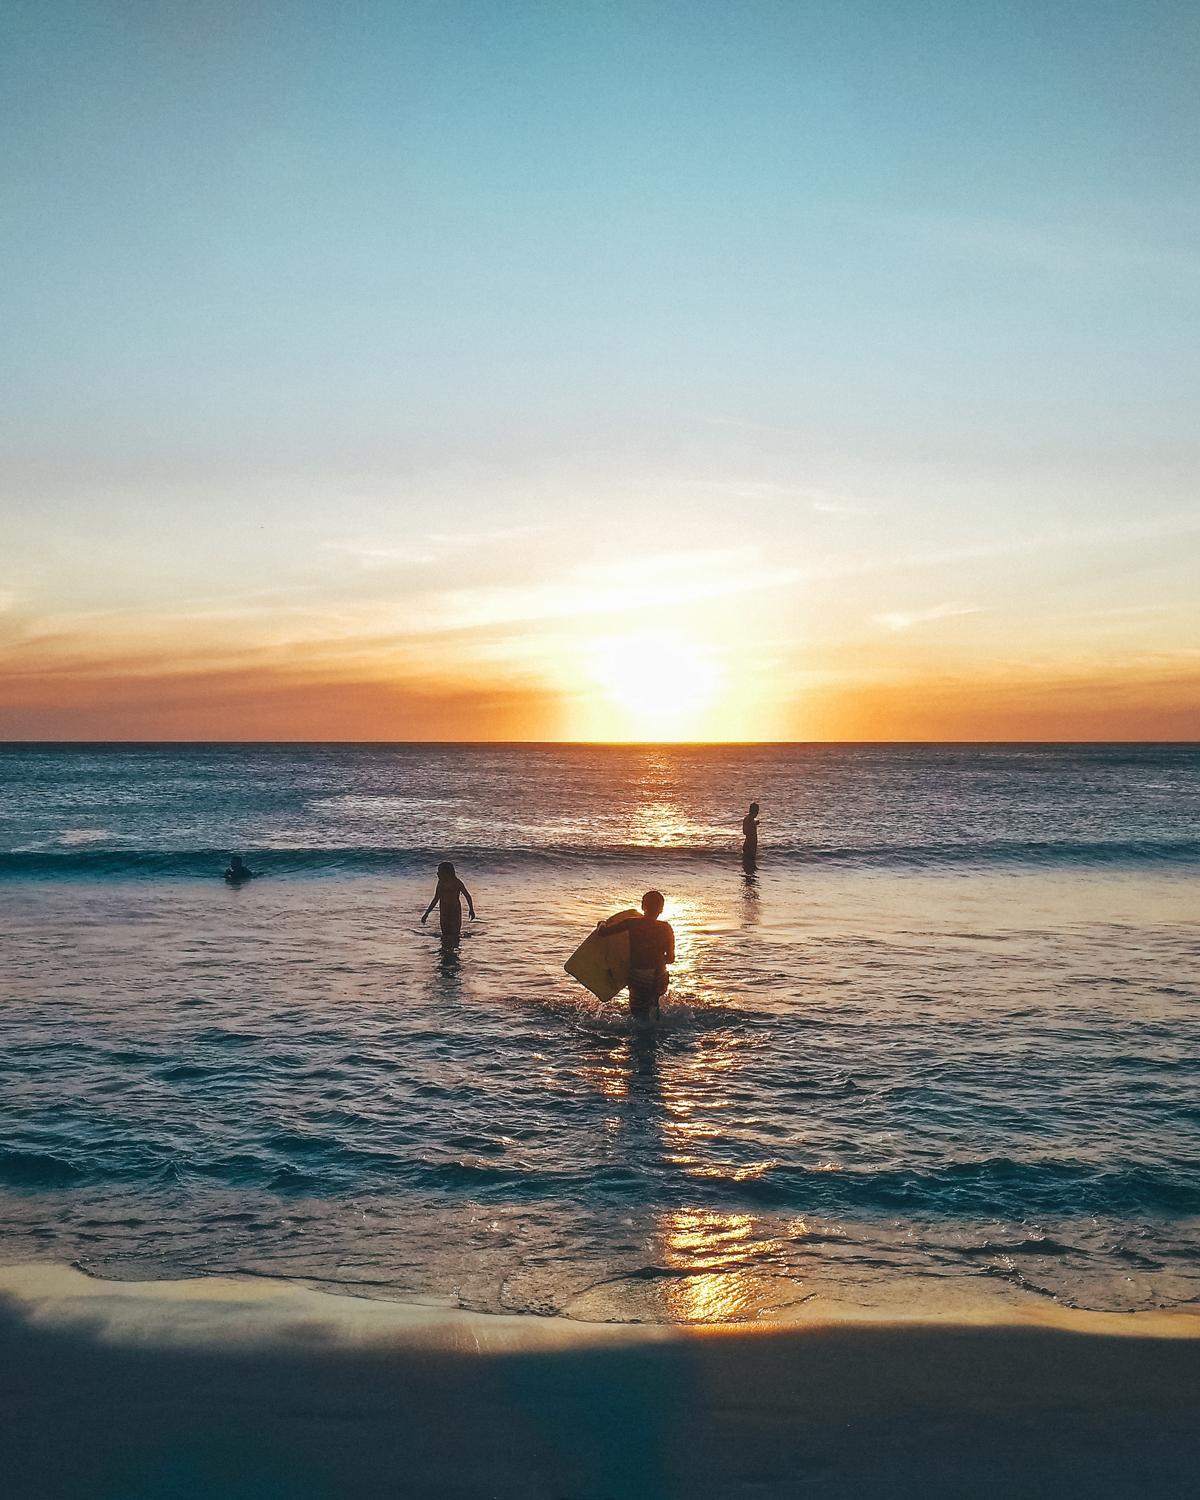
(602,589)
(430,547)
(1131,611)
(1061,249)
(739,489)
(269,701)
(830,507)
(897,619)
(821,501)
(375,555)
(489,536)
(1074,537)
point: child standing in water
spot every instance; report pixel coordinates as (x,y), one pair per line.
(447,898)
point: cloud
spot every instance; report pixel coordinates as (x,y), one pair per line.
(432,547)
(739,489)
(373,555)
(1062,249)
(841,508)
(906,619)
(1074,537)
(768,491)
(1137,700)
(615,587)
(488,537)
(271,703)
(1130,611)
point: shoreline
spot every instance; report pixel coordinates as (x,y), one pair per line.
(235,1388)
(199,1309)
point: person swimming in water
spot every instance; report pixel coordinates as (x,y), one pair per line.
(447,897)
(750,836)
(237,871)
(651,949)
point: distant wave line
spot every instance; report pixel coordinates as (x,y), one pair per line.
(364,859)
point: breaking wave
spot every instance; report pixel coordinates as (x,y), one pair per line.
(359,859)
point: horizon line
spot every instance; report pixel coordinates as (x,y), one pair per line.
(29,744)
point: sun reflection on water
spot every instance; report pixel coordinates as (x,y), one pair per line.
(723,1266)
(665,825)
(672,1094)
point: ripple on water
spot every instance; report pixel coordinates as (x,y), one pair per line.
(34,1169)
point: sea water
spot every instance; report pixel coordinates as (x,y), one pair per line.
(944,1040)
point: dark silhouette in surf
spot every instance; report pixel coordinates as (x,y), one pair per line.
(447,897)
(237,873)
(651,949)
(750,837)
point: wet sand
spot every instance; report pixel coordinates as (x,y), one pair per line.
(228,1389)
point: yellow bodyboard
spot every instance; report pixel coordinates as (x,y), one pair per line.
(601,962)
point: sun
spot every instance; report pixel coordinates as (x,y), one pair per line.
(656,686)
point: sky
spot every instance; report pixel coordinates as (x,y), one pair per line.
(600,370)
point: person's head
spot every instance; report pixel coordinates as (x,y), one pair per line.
(754,809)
(445,870)
(653,903)
(235,862)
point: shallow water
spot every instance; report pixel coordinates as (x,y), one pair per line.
(946,1036)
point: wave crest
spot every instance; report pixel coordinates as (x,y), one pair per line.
(362,859)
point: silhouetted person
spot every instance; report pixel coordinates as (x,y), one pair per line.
(447,897)
(651,949)
(750,837)
(237,871)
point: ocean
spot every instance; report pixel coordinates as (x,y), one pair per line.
(944,1043)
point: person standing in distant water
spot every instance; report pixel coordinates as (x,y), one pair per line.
(750,837)
(651,949)
(447,897)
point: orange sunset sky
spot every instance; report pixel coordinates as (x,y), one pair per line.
(599,372)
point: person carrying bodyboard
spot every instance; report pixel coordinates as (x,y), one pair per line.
(606,967)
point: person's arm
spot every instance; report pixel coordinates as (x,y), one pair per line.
(609,927)
(470,903)
(670,953)
(430,907)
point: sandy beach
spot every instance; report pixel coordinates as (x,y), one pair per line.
(223,1388)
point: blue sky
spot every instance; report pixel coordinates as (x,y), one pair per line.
(354,335)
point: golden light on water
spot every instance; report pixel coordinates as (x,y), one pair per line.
(662,825)
(709,1267)
(720,1258)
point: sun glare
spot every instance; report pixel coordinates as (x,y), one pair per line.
(655,686)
